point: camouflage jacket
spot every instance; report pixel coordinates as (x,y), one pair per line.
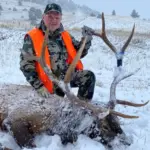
(58,56)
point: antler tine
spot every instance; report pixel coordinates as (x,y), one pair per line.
(123,115)
(43,63)
(69,72)
(113,99)
(73,64)
(103,36)
(117,79)
(124,102)
(128,40)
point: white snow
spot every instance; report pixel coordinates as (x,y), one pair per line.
(101,60)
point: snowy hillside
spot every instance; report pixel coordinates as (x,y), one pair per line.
(22,11)
(101,61)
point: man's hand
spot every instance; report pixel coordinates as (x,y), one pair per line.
(43,92)
(86,31)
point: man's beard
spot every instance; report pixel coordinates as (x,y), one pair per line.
(53,28)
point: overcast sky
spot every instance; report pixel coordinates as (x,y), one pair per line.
(122,7)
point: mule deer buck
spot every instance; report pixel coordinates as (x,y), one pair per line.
(24,114)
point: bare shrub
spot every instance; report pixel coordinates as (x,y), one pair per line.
(99,16)
(92,15)
(14,9)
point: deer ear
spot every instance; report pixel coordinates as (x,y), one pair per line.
(25,139)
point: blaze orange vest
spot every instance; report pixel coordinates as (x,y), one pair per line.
(37,40)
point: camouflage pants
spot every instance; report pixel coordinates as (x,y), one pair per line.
(85,81)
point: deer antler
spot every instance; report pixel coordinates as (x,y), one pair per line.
(119,55)
(97,111)
(124,102)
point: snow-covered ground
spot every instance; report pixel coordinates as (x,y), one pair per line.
(101,60)
(22,11)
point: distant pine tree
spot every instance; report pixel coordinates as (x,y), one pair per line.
(134,14)
(113,13)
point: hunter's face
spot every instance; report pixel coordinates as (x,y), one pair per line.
(52,20)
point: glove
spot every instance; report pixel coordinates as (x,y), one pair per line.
(43,92)
(86,31)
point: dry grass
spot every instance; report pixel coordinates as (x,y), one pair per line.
(15,24)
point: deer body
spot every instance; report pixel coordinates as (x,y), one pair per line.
(26,114)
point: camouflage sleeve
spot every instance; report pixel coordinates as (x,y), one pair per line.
(28,67)
(77,45)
